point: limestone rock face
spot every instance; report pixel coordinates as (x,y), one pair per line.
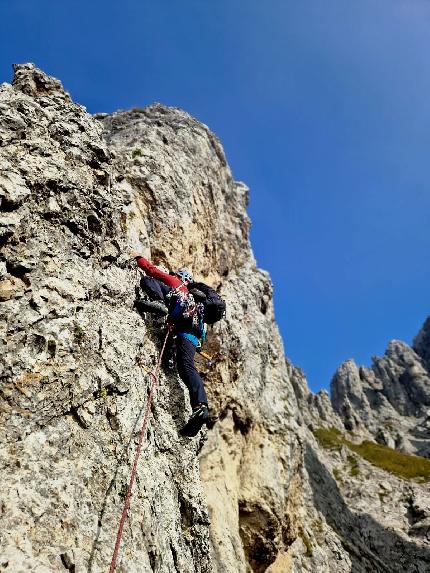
(75,358)
(421,343)
(254,492)
(194,215)
(390,400)
(373,512)
(381,519)
(314,410)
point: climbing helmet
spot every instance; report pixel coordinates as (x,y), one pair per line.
(184,275)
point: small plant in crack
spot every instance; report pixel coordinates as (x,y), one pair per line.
(102,392)
(137,152)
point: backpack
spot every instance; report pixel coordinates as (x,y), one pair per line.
(214,305)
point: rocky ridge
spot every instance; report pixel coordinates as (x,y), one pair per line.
(389,401)
(255,492)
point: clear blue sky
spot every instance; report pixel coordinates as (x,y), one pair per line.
(323,108)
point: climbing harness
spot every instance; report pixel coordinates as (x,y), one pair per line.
(154,377)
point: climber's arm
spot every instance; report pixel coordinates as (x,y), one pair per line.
(151,270)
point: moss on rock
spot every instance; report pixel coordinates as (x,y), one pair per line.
(402,465)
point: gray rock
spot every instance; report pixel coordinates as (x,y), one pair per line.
(421,343)
(388,401)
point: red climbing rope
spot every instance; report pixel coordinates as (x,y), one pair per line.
(154,377)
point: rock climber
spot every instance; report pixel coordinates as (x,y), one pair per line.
(168,293)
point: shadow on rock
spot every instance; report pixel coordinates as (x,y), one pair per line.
(372,547)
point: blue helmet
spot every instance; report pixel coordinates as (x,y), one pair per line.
(184,275)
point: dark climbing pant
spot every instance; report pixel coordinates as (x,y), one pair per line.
(156,290)
(185,352)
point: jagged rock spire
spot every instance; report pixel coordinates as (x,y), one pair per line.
(421,343)
(34,82)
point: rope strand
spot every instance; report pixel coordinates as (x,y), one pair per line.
(154,377)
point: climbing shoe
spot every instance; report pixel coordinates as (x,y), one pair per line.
(199,417)
(153,306)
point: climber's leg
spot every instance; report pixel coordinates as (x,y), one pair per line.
(185,352)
